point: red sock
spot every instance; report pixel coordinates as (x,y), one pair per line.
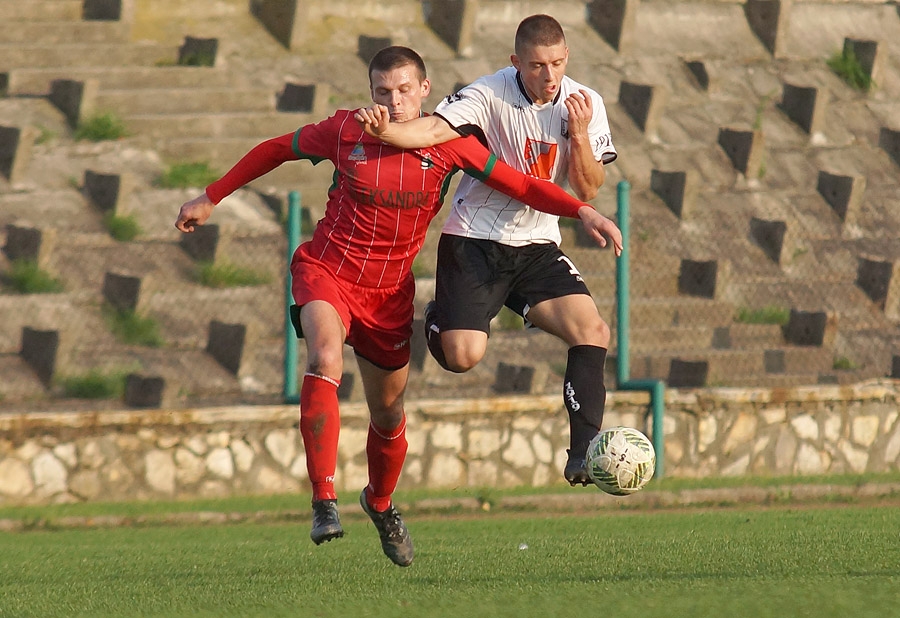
(386,452)
(320,426)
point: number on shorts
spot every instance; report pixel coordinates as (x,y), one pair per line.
(572,269)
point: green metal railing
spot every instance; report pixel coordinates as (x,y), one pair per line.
(656,388)
(291,391)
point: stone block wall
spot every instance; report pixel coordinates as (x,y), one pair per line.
(501,441)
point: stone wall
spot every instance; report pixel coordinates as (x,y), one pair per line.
(503,441)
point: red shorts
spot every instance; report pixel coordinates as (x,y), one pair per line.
(378,321)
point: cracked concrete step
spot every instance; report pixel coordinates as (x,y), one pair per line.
(20,383)
(56,32)
(199,101)
(731,367)
(38,80)
(673,311)
(225,124)
(69,210)
(17,55)
(39,10)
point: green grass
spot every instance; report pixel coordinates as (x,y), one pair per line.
(767,315)
(26,277)
(94,385)
(508,319)
(122,228)
(187,175)
(197,59)
(226,275)
(847,66)
(101,127)
(130,328)
(824,562)
(843,363)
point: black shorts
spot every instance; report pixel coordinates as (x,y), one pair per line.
(475,278)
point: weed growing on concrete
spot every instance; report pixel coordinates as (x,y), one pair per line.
(101,127)
(122,228)
(847,66)
(130,328)
(26,277)
(187,175)
(843,363)
(94,385)
(226,275)
(767,315)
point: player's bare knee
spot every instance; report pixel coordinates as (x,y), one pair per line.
(460,359)
(386,417)
(325,364)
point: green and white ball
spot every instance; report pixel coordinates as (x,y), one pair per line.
(620,460)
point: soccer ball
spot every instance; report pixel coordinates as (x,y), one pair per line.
(620,460)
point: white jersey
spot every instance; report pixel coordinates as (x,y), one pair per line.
(529,137)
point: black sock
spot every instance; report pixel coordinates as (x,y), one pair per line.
(584,395)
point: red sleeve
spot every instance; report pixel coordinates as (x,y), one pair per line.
(541,195)
(261,160)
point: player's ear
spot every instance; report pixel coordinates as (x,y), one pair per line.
(426,87)
(514,59)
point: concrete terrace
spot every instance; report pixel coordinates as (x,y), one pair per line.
(759,178)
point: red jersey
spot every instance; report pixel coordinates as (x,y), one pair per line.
(383,197)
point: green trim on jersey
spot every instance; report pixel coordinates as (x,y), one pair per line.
(474,172)
(482,175)
(295,146)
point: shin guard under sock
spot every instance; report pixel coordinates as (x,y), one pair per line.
(584,394)
(320,427)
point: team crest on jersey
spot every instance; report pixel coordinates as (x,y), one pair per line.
(456,96)
(540,157)
(426,163)
(358,153)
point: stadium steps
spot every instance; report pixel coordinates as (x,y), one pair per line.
(79,55)
(36,81)
(139,101)
(674,311)
(40,10)
(732,367)
(216,124)
(20,383)
(70,210)
(56,32)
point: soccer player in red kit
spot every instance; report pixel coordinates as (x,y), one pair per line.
(352,282)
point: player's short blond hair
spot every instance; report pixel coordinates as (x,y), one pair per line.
(538,30)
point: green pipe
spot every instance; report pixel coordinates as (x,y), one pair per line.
(656,388)
(290,339)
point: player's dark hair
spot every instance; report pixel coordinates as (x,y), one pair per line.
(540,30)
(394,57)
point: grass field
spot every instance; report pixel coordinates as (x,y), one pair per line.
(813,559)
(825,557)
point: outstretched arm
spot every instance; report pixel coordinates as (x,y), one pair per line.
(261,160)
(550,198)
(416,133)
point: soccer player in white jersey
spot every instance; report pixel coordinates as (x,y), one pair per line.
(352,281)
(495,250)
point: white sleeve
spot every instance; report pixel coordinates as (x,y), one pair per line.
(469,106)
(599,133)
